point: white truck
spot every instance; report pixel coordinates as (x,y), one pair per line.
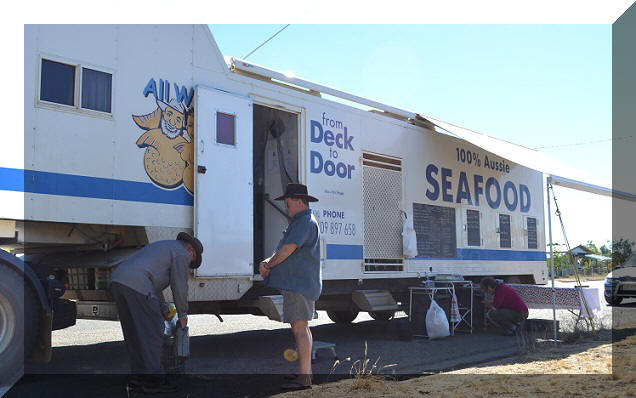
(133,133)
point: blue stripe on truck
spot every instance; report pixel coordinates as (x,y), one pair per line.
(344,252)
(500,255)
(493,255)
(43,182)
(105,188)
(355,252)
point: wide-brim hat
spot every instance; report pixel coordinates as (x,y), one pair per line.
(173,103)
(198,247)
(297,191)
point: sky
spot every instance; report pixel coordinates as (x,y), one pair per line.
(546,87)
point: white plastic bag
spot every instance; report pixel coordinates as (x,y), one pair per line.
(436,322)
(409,239)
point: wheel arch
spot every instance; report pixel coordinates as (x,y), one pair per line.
(30,277)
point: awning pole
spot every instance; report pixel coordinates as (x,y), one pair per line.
(554,328)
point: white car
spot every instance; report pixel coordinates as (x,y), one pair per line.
(621,282)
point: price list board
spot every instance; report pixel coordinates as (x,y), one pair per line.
(532,233)
(435,230)
(472,227)
(504,231)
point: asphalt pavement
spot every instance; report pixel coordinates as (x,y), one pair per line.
(243,356)
(91,356)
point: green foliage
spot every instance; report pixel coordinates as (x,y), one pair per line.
(621,250)
(561,261)
(592,247)
(606,251)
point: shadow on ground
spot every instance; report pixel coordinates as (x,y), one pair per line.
(251,364)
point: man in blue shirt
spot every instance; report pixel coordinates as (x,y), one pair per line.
(294,268)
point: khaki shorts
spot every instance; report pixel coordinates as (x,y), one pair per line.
(296,307)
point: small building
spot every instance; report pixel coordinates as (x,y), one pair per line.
(581,251)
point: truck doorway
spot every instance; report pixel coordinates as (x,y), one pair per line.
(275,165)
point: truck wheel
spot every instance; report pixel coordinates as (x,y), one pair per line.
(342,316)
(612,300)
(19,324)
(382,315)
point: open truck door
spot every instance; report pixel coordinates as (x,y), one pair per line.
(223,201)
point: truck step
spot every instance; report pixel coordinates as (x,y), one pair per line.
(272,306)
(374,300)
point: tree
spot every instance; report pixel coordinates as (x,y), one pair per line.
(605,251)
(561,262)
(621,250)
(592,247)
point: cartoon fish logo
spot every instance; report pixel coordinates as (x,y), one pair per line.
(168,139)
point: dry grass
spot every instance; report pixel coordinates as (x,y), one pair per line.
(583,278)
(588,368)
(364,373)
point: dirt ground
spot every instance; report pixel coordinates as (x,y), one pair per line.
(585,368)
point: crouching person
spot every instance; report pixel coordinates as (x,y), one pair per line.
(137,287)
(507,310)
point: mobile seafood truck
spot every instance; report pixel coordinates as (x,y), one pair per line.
(133,133)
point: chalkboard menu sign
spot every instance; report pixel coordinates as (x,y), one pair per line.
(472,227)
(504,231)
(532,233)
(435,230)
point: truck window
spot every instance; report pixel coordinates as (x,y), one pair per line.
(96,90)
(225,129)
(435,230)
(505,240)
(472,228)
(62,83)
(57,82)
(532,233)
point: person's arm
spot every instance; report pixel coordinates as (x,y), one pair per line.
(179,286)
(500,297)
(279,256)
(297,236)
(164,306)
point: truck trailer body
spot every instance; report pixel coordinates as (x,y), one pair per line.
(133,133)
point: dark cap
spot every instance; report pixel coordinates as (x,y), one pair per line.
(198,247)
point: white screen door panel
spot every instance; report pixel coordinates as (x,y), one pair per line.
(223,204)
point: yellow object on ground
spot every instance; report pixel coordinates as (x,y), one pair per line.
(290,355)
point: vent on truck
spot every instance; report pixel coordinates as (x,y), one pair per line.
(382,190)
(382,264)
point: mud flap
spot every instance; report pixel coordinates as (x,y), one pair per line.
(43,352)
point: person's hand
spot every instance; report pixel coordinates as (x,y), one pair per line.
(183,322)
(262,269)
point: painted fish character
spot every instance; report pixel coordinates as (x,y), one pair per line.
(164,132)
(186,151)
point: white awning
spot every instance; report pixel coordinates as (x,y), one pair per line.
(598,257)
(583,186)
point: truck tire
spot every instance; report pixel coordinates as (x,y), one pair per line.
(342,316)
(382,316)
(613,300)
(19,324)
